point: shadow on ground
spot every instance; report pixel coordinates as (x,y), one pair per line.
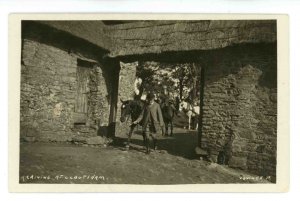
(182,143)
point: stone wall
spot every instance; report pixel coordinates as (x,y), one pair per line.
(240,108)
(49,85)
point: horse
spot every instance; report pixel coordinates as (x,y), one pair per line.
(191,111)
(168,113)
(130,111)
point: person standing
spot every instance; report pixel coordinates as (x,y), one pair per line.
(151,120)
(164,96)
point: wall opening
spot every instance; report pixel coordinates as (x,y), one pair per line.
(84,69)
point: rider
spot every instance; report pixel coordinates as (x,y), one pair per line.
(166,99)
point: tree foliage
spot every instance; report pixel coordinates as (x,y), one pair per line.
(182,79)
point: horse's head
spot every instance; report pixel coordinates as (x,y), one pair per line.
(125,110)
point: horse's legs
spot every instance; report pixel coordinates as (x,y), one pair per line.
(163,130)
(193,123)
(190,122)
(167,128)
(171,127)
(129,136)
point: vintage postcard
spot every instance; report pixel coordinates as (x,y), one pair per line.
(148,103)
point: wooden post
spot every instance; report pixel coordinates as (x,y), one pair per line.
(114,81)
(200,120)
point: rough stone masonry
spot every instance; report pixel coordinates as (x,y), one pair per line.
(49,95)
(240,108)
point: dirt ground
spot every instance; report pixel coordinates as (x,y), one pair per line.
(174,163)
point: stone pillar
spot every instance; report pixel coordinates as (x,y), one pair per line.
(125,92)
(99,100)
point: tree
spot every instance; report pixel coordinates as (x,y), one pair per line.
(146,73)
(194,72)
(181,73)
(181,79)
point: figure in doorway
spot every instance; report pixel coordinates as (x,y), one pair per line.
(152,121)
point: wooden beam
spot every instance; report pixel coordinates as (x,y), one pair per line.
(201,99)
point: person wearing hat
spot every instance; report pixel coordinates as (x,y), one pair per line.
(164,97)
(151,118)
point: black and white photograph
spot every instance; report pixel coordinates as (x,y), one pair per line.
(160,102)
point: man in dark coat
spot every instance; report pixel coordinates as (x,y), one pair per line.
(151,118)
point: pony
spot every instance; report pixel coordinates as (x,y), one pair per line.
(191,111)
(168,113)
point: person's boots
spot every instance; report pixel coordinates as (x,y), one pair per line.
(127,145)
(147,146)
(144,140)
